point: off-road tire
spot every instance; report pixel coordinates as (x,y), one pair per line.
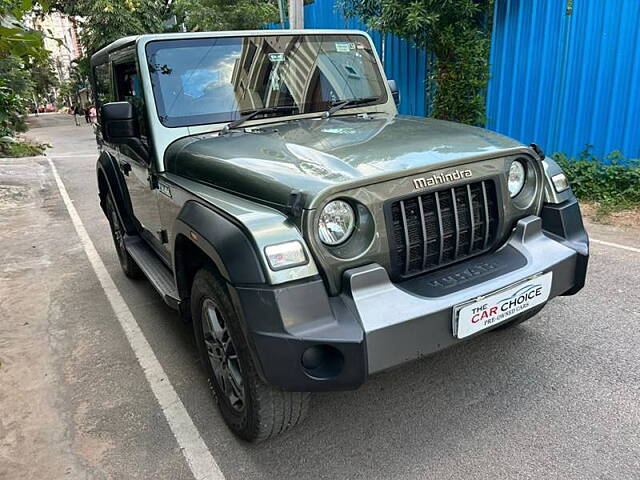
(521,318)
(267,411)
(128,264)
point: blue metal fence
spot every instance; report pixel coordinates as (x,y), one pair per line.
(566,74)
(402,61)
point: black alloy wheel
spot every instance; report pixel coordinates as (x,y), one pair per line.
(222,354)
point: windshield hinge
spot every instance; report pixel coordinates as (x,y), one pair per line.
(296,203)
(538,150)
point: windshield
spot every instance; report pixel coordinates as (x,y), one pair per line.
(209,80)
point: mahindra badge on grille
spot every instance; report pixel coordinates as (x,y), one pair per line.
(434,180)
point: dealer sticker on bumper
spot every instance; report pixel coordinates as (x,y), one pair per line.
(501,306)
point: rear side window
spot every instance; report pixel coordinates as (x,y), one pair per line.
(129,89)
(104,94)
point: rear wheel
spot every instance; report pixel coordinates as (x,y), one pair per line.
(128,264)
(252,409)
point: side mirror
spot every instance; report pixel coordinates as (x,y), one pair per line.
(119,122)
(395,93)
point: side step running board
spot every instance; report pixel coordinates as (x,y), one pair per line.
(155,270)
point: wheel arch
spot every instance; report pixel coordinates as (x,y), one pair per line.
(203,238)
(211,237)
(110,182)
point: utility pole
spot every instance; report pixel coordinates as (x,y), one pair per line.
(296,14)
(282,9)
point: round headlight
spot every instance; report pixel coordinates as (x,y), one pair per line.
(336,222)
(517,176)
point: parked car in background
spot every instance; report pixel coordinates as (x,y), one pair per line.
(267,187)
(44,109)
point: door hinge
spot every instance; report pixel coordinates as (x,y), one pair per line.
(538,150)
(153,181)
(164,237)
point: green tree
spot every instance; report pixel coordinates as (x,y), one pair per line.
(104,21)
(11,108)
(456,31)
(12,72)
(78,79)
(203,15)
(43,77)
(21,48)
(15,38)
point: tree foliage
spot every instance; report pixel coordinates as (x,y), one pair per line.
(12,106)
(25,67)
(612,182)
(456,31)
(15,38)
(203,15)
(104,21)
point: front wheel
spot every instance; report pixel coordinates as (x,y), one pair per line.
(252,409)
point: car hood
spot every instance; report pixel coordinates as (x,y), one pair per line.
(313,155)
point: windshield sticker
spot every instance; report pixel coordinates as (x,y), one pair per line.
(345,47)
(276,57)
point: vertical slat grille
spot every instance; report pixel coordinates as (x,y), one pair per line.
(439,228)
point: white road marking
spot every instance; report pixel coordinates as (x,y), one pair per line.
(195,451)
(73,155)
(616,245)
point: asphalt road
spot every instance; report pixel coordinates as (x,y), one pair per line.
(558,397)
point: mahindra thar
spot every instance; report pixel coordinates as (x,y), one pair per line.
(267,187)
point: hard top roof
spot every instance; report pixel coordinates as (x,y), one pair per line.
(102,55)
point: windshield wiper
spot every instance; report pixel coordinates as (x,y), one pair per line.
(249,114)
(340,104)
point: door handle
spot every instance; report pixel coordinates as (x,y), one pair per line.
(125,167)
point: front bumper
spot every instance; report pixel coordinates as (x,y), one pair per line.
(376,324)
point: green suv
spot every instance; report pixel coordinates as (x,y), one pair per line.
(266,186)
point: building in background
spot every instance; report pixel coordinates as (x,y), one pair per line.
(62,40)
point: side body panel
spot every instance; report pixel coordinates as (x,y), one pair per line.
(136,164)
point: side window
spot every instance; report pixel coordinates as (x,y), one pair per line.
(102,75)
(129,89)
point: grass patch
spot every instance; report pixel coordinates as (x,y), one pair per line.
(612,183)
(20,148)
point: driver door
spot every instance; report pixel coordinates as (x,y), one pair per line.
(135,164)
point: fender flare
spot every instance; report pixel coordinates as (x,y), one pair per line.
(224,242)
(551,168)
(229,248)
(107,166)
